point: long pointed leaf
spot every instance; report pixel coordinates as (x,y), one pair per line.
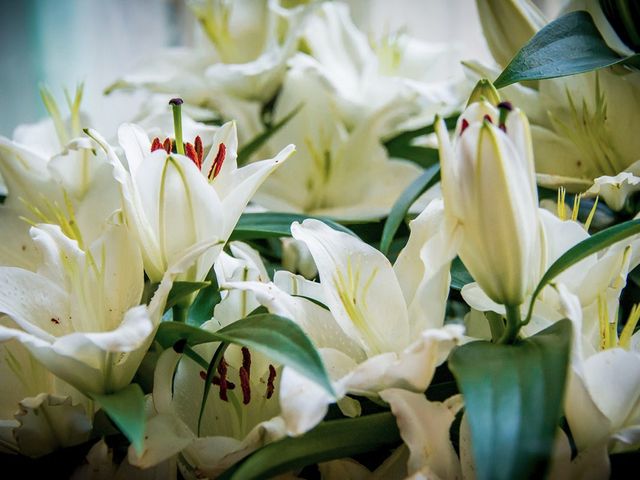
(254,226)
(569,45)
(582,250)
(399,210)
(328,441)
(513,397)
(126,409)
(277,337)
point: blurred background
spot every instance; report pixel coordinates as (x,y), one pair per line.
(60,43)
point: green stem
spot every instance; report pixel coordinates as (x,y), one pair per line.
(176,105)
(179,313)
(513,324)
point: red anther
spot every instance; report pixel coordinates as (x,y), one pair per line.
(270,386)
(246,360)
(217,162)
(246,387)
(199,150)
(190,151)
(503,127)
(156,144)
(464,126)
(167,145)
(487,118)
(222,371)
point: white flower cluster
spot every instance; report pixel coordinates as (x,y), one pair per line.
(106,241)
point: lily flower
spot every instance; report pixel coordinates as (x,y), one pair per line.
(581,124)
(384,325)
(173,200)
(79,314)
(52,177)
(38,412)
(488,173)
(242,412)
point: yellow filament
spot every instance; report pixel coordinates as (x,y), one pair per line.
(630,326)
(592,213)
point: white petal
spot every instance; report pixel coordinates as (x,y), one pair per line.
(424,427)
(361,288)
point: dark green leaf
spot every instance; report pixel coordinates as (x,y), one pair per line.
(423,156)
(277,337)
(582,250)
(244,154)
(252,226)
(202,307)
(513,398)
(126,409)
(569,45)
(460,276)
(420,185)
(181,291)
(328,441)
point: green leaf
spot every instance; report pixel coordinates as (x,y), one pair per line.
(399,210)
(244,154)
(328,441)
(423,156)
(513,397)
(253,226)
(277,337)
(181,291)
(582,250)
(460,276)
(569,45)
(126,408)
(202,307)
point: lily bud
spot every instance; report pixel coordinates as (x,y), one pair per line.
(489,189)
(484,90)
(508,25)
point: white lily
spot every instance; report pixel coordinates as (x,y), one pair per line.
(79,314)
(489,191)
(240,66)
(365,80)
(336,173)
(172,201)
(580,124)
(38,412)
(52,178)
(242,412)
(384,327)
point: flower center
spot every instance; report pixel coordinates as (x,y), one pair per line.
(222,381)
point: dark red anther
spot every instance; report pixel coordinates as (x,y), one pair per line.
(246,360)
(167,145)
(487,118)
(222,371)
(464,126)
(246,387)
(216,380)
(506,105)
(156,144)
(217,162)
(199,150)
(270,385)
(190,152)
(503,127)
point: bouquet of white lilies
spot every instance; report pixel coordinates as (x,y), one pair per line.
(314,255)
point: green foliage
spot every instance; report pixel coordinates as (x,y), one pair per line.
(277,337)
(328,441)
(513,397)
(126,408)
(253,226)
(569,45)
(429,178)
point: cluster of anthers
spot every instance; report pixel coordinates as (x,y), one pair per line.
(222,379)
(503,107)
(194,151)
